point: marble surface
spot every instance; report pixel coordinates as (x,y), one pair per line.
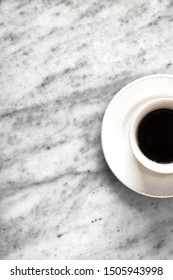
(61,62)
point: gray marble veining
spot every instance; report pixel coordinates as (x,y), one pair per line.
(61,62)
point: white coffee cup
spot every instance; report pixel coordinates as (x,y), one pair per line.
(160,103)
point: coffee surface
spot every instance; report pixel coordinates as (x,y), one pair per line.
(155,135)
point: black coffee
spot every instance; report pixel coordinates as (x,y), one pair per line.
(155,135)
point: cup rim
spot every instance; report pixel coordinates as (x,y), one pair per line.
(165,168)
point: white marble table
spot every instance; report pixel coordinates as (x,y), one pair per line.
(61,62)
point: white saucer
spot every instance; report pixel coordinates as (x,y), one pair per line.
(115,136)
